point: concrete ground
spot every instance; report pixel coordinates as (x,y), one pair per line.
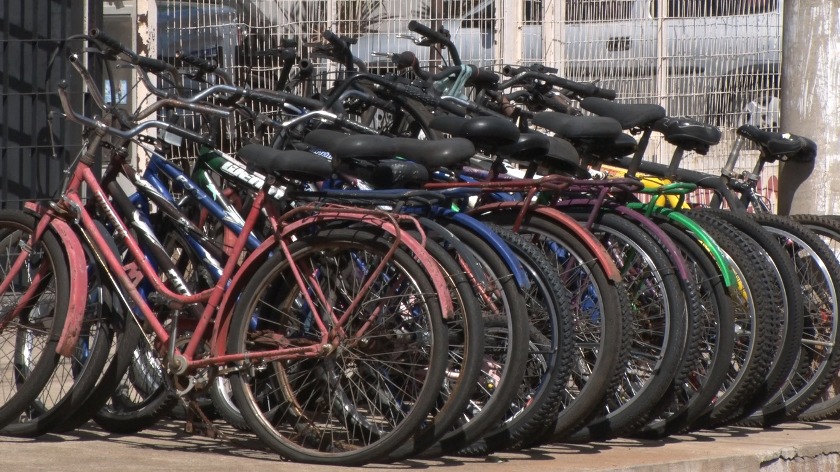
(788,447)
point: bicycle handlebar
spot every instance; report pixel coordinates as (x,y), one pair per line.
(130,133)
(436,37)
(521,74)
(147,63)
(205,66)
(342,48)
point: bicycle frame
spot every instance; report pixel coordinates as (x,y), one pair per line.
(217,300)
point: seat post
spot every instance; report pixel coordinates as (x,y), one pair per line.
(636,162)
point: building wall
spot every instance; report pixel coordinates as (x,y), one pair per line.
(32,153)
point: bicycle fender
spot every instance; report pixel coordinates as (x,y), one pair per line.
(709,244)
(570,224)
(490,237)
(78,288)
(77,263)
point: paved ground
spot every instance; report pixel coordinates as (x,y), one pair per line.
(791,447)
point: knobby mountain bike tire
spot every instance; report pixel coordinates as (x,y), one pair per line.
(757,319)
(819,359)
(827,227)
(710,360)
(661,307)
(786,284)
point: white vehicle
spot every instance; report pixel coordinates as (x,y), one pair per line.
(725,51)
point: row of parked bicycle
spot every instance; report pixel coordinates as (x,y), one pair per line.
(366,280)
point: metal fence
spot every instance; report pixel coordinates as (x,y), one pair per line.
(712,60)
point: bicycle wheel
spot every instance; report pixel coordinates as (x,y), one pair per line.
(828,229)
(757,314)
(75,377)
(819,360)
(710,361)
(660,330)
(602,321)
(32,310)
(551,350)
(503,361)
(466,350)
(785,283)
(357,401)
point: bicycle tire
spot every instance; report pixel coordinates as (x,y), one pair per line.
(710,361)
(661,326)
(602,322)
(787,284)
(494,390)
(827,406)
(466,349)
(375,426)
(75,377)
(41,321)
(755,310)
(550,350)
(816,367)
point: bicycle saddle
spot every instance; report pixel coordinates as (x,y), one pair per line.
(486,132)
(352,146)
(575,128)
(434,154)
(688,134)
(628,115)
(783,146)
(299,165)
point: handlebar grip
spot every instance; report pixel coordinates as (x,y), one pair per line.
(153,65)
(111,42)
(187,134)
(196,62)
(484,77)
(584,90)
(424,30)
(437,37)
(510,71)
(305,67)
(342,50)
(608,94)
(332,38)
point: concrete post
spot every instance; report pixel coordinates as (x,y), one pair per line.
(811,104)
